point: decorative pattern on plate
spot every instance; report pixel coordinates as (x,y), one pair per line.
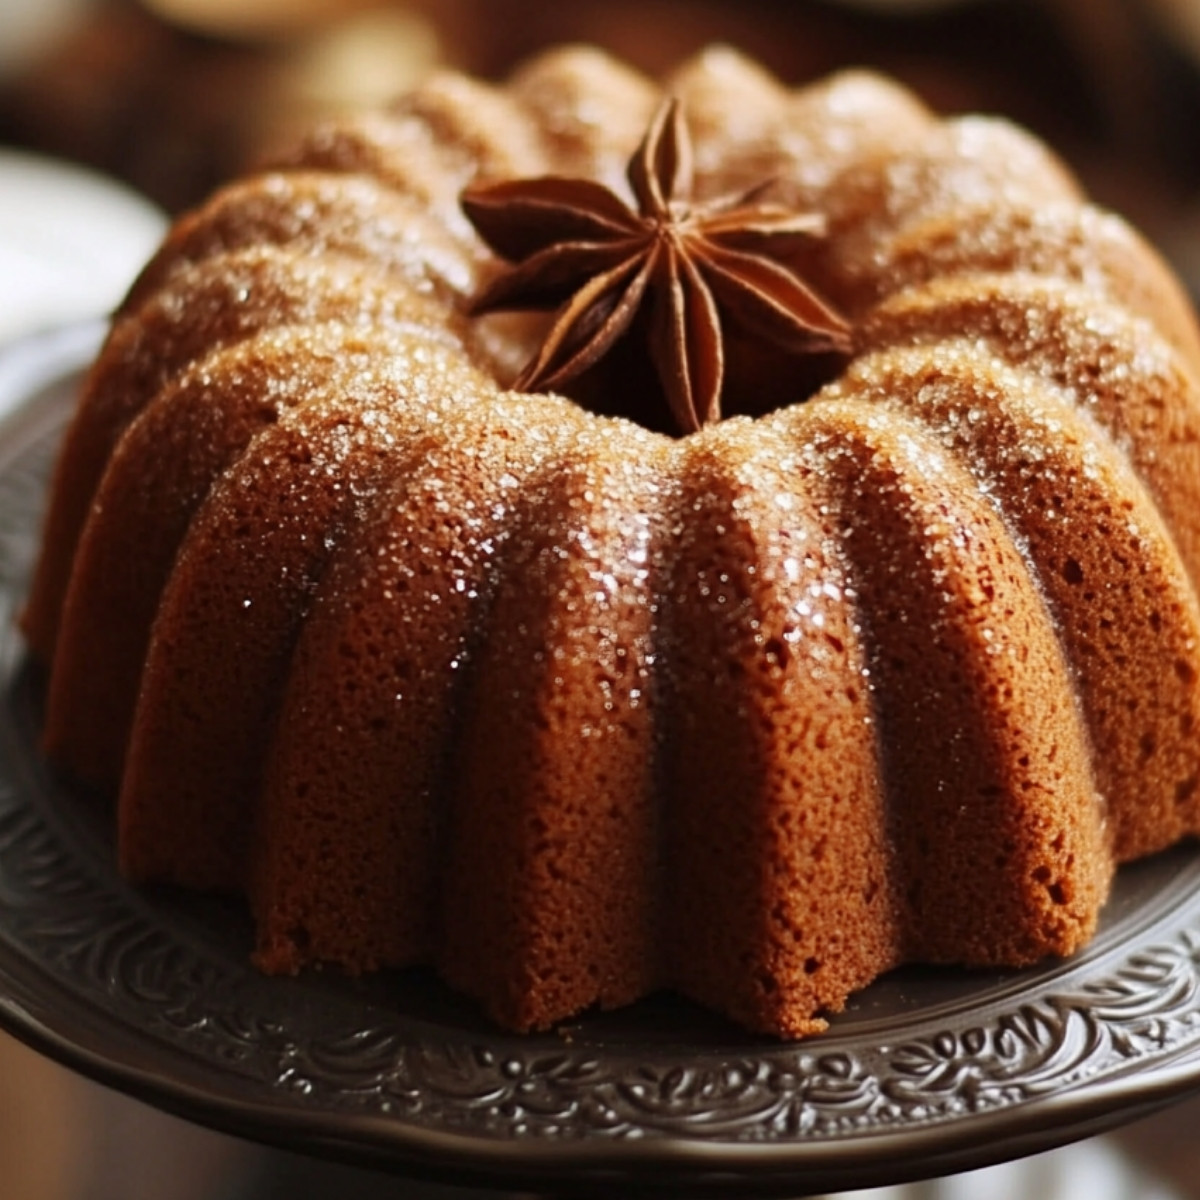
(378,1067)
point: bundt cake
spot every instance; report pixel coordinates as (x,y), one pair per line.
(895,664)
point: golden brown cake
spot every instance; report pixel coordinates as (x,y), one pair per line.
(436,671)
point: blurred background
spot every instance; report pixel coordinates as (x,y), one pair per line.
(173,96)
(116,114)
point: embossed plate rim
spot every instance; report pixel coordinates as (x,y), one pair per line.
(926,1073)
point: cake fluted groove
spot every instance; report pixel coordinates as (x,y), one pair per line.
(316,213)
(773,802)
(1111,363)
(247,570)
(217,303)
(1101,556)
(994,815)
(157,476)
(369,728)
(550,899)
(1073,243)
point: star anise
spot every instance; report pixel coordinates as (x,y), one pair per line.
(581,249)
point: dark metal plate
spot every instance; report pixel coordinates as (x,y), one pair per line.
(927,1072)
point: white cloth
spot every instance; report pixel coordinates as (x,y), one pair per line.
(71,243)
(1090,1170)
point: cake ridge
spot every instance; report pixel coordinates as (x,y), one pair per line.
(386,596)
(765,676)
(590,111)
(995,651)
(1065,242)
(319,462)
(145,503)
(1051,472)
(321,212)
(551,850)
(215,303)
(1140,389)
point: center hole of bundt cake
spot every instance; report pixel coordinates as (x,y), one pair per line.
(759,378)
(673,306)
